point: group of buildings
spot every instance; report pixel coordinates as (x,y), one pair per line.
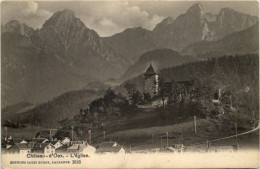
(46,145)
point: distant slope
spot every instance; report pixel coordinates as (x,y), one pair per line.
(11,112)
(160,58)
(65,106)
(132,42)
(242,42)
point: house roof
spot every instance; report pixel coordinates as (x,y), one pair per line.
(62,148)
(18,140)
(65,138)
(24,146)
(13,148)
(55,142)
(73,147)
(38,140)
(41,146)
(107,144)
(150,71)
(78,142)
(109,149)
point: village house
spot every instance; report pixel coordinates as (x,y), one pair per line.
(111,150)
(87,149)
(110,147)
(11,149)
(21,148)
(73,148)
(43,148)
(65,141)
(56,143)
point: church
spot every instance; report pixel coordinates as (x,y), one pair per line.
(151,81)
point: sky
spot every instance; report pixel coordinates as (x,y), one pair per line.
(108,18)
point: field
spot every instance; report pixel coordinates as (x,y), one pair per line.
(156,137)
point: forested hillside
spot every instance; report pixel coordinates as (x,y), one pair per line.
(237,74)
(65,106)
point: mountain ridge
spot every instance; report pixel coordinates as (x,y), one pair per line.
(241,42)
(159,58)
(63,55)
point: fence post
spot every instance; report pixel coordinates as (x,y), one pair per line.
(195,125)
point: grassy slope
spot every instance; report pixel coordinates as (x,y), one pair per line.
(207,129)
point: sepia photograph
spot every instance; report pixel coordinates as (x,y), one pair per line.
(129,84)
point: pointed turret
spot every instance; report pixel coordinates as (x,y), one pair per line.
(150,71)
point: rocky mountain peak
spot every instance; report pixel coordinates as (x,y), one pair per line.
(167,21)
(225,11)
(66,13)
(195,9)
(62,18)
(163,24)
(12,24)
(16,27)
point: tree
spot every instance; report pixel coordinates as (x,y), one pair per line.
(109,97)
(130,88)
(96,106)
(147,97)
(137,98)
(134,95)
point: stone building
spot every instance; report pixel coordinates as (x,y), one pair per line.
(151,81)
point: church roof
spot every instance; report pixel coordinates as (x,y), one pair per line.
(150,71)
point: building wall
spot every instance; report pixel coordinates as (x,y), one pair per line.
(57,145)
(49,150)
(66,141)
(151,85)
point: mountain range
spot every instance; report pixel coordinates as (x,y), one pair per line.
(65,55)
(195,25)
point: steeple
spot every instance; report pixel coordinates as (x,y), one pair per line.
(150,71)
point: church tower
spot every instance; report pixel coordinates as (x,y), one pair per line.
(151,81)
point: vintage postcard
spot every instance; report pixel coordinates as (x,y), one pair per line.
(129,84)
